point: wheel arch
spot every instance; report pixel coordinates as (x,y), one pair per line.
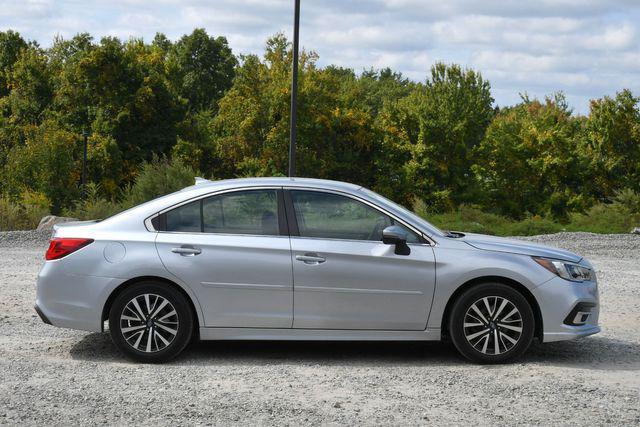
(109,302)
(538,332)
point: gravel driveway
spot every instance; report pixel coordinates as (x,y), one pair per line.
(51,375)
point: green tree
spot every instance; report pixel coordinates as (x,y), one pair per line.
(613,143)
(205,67)
(429,136)
(11,43)
(335,130)
(46,163)
(31,87)
(530,160)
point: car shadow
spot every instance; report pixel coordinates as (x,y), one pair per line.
(589,353)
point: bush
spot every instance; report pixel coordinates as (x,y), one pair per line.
(605,218)
(471,219)
(24,213)
(93,206)
(533,226)
(157,178)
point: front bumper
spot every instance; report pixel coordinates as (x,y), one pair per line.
(563,304)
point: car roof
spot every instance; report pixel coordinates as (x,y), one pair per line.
(276,181)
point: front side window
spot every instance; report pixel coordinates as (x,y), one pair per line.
(242,212)
(332,216)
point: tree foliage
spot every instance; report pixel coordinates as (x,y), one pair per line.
(154,113)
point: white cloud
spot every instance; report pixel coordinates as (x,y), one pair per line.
(587,48)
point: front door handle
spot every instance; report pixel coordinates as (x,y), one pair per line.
(311,258)
(186,251)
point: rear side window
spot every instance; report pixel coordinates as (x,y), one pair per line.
(243,212)
(186,218)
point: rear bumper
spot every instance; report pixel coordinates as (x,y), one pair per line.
(569,310)
(72,301)
(42,315)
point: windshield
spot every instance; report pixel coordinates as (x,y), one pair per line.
(427,227)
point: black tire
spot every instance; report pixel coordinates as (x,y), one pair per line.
(494,292)
(182,323)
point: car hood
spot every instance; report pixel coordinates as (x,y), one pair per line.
(500,244)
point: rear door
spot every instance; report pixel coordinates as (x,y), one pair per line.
(345,277)
(233,250)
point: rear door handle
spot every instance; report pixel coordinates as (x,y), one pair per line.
(186,251)
(311,258)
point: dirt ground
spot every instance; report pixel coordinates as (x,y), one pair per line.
(52,375)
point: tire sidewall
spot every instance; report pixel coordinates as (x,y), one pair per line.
(456,321)
(185,326)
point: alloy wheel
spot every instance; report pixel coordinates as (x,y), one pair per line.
(149,323)
(493,325)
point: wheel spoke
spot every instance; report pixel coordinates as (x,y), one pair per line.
(160,307)
(511,340)
(171,331)
(511,313)
(149,343)
(137,306)
(161,338)
(513,328)
(486,343)
(146,300)
(133,328)
(504,303)
(477,334)
(486,304)
(471,325)
(137,343)
(477,310)
(171,313)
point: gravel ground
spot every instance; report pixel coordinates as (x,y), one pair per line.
(51,375)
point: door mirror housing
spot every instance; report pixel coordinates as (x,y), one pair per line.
(395,235)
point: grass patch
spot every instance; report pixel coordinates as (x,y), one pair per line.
(23,213)
(620,216)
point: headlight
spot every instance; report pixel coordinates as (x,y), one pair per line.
(566,270)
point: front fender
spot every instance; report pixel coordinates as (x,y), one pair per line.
(456,266)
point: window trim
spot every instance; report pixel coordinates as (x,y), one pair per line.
(282,220)
(295,232)
(286,214)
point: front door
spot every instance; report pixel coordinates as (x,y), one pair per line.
(345,277)
(232,249)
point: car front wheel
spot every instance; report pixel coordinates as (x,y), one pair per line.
(491,323)
(151,322)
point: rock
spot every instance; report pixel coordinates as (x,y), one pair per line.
(49,221)
(635,230)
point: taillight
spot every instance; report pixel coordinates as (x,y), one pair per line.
(61,247)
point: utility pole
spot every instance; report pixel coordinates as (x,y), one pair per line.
(85,135)
(294,92)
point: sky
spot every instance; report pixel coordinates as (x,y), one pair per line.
(585,48)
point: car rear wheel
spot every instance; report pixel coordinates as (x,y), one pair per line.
(491,323)
(151,322)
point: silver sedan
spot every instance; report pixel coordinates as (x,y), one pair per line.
(306,259)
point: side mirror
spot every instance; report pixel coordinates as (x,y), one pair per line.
(394,235)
